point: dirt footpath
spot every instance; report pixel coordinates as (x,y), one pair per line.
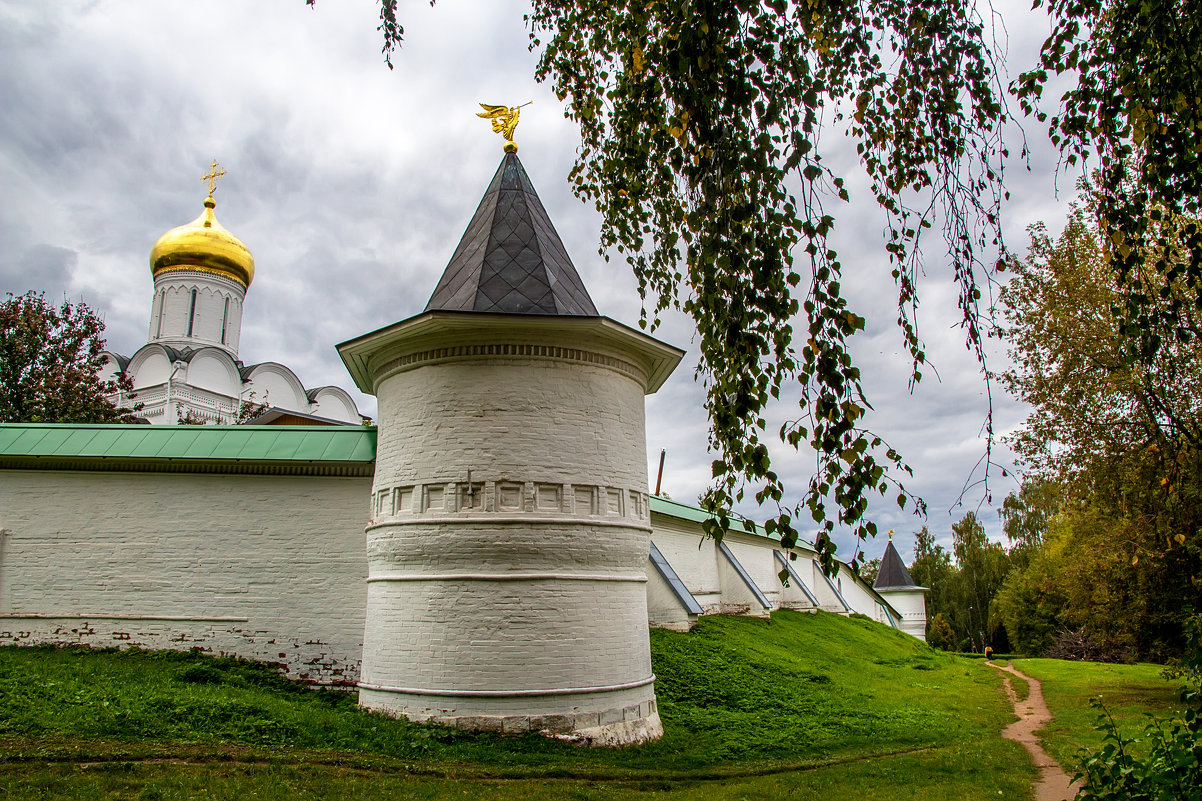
(1033,715)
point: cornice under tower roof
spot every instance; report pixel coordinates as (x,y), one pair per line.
(510,259)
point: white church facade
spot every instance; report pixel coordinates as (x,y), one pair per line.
(487,557)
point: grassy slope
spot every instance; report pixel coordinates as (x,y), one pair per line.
(799,705)
(1129,692)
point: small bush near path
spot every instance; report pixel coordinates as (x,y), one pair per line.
(1169,767)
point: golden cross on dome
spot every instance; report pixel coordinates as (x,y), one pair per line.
(504,121)
(214,173)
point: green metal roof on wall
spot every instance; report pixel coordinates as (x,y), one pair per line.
(23,444)
(665,506)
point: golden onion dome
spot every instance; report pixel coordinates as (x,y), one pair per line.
(203,246)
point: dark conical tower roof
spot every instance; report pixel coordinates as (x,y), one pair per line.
(893,571)
(510,258)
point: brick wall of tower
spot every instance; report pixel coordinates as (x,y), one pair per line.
(519,594)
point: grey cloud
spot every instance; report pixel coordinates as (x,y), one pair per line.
(43,268)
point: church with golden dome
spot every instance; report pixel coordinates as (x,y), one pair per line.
(188,370)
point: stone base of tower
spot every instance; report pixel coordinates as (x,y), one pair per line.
(614,719)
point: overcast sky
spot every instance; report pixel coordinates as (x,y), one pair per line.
(351,184)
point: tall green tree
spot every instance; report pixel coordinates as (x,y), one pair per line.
(1132,114)
(1119,434)
(940,634)
(1031,603)
(1025,516)
(50,361)
(932,568)
(981,568)
(1090,400)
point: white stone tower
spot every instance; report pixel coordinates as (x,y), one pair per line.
(510,529)
(201,274)
(895,585)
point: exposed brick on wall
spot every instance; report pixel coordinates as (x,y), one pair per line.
(265,567)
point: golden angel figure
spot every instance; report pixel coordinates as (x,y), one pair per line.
(504,121)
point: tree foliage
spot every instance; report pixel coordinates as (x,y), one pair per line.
(1099,586)
(1030,604)
(940,634)
(1112,445)
(1091,400)
(962,584)
(869,570)
(932,568)
(50,362)
(701,126)
(1025,515)
(1134,115)
(981,567)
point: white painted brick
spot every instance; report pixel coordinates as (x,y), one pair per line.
(552,439)
(256,566)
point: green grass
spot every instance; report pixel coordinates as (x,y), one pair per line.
(795,706)
(1130,692)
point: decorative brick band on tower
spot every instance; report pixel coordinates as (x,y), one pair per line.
(510,528)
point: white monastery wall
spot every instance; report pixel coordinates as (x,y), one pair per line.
(858,596)
(664,610)
(718,588)
(760,566)
(694,560)
(265,567)
(274,568)
(812,574)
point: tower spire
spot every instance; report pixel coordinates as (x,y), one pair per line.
(510,258)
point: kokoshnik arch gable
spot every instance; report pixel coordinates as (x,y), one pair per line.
(513,560)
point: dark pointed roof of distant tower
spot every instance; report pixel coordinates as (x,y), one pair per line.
(510,258)
(893,571)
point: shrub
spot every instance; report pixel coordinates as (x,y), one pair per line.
(1172,770)
(940,635)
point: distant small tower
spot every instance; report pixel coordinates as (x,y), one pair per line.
(510,528)
(896,586)
(201,274)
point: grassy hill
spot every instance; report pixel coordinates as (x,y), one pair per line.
(797,705)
